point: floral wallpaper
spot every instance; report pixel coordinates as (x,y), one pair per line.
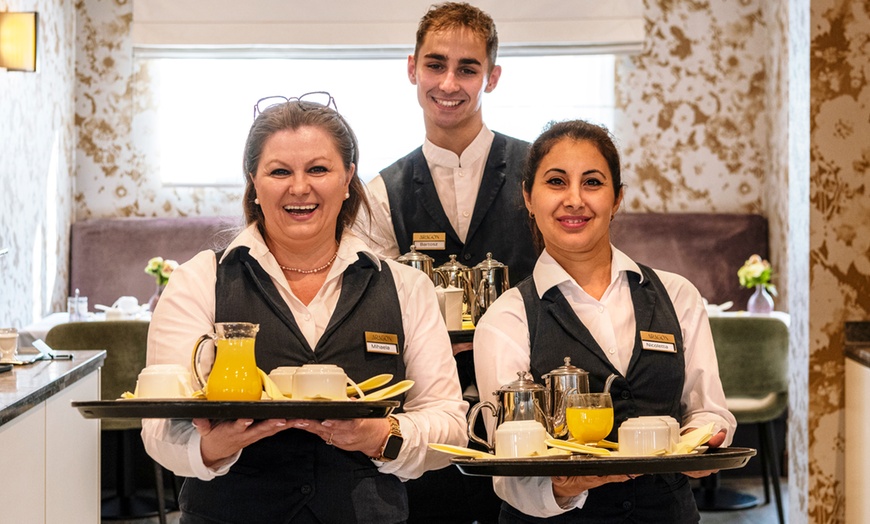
(745,106)
(839,261)
(37,147)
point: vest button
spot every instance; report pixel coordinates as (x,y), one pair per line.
(467,256)
(312,361)
(306,489)
(625,395)
(626,505)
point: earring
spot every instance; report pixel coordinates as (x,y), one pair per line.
(347,195)
(257,201)
(531,215)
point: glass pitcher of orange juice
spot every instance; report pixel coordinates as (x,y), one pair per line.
(234,375)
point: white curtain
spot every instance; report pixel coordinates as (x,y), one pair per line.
(373,27)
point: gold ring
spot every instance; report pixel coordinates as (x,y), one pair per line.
(329,441)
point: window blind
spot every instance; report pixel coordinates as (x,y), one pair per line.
(375,27)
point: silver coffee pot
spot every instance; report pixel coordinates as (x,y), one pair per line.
(454,273)
(418,260)
(489,281)
(522,399)
(560,383)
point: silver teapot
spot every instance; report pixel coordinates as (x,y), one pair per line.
(454,273)
(418,260)
(489,281)
(522,399)
(559,383)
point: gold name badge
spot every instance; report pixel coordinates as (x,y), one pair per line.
(386,343)
(430,241)
(658,341)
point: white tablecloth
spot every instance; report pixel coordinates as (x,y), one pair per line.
(39,329)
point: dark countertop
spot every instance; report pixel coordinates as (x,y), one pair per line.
(26,386)
(858,342)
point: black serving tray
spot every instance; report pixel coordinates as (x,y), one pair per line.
(577,465)
(219,410)
(461,335)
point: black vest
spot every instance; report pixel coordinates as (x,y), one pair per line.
(652,385)
(499,224)
(294,473)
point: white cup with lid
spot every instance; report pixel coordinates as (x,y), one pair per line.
(320,382)
(520,438)
(164,381)
(283,378)
(643,436)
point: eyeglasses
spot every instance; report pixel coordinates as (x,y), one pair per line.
(315,97)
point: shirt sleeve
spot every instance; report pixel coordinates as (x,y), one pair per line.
(434,410)
(703,399)
(376,230)
(186,308)
(501,349)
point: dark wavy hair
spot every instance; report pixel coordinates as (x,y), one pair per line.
(579,131)
(293,115)
(457,15)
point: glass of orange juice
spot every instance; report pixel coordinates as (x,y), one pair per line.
(589,416)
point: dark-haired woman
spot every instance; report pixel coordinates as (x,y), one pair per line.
(589,301)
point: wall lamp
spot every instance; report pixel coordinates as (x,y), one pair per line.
(18,41)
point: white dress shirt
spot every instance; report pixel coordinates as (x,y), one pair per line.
(433,411)
(501,348)
(457,181)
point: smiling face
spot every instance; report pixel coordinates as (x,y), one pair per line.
(451,71)
(301,183)
(573,197)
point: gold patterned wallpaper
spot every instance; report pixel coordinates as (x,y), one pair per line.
(839,258)
(37,148)
(709,120)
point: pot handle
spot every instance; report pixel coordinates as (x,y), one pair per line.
(472,418)
(194,359)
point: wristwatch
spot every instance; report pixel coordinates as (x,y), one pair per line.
(394,442)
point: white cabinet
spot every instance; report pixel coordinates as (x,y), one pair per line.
(50,460)
(857,483)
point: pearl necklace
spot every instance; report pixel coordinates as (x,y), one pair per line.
(309,271)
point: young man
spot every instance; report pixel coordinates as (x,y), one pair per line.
(459,193)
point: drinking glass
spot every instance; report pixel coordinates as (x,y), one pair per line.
(589,416)
(8,343)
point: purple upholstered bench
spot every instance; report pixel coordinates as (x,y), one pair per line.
(706,248)
(108,255)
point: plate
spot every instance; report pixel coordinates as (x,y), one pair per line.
(575,465)
(256,409)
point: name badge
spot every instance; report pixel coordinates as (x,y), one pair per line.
(658,341)
(385,343)
(430,241)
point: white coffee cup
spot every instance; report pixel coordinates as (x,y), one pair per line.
(164,381)
(643,436)
(283,378)
(8,343)
(127,305)
(520,438)
(320,381)
(674,428)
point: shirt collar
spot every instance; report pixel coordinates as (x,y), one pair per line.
(349,249)
(478,147)
(548,273)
